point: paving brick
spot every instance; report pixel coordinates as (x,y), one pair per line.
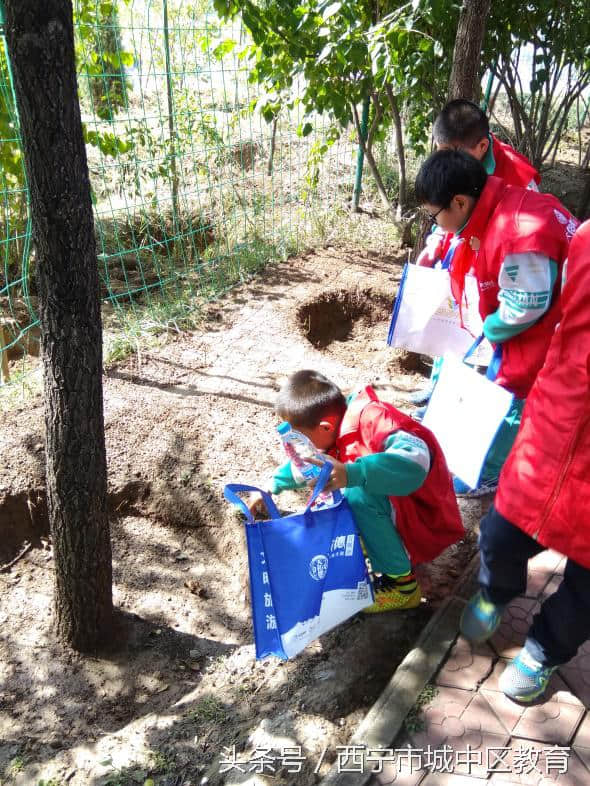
(583,754)
(506,710)
(523,769)
(480,716)
(394,772)
(491,683)
(451,779)
(582,738)
(466,666)
(471,751)
(577,674)
(467,730)
(552,722)
(448,702)
(560,691)
(500,780)
(516,620)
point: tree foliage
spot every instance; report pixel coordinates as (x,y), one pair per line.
(558,37)
(329,56)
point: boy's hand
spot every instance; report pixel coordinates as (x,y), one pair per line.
(338,478)
(256,505)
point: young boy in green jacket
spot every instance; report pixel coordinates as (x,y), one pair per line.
(392,473)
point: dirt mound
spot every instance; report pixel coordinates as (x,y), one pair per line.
(404,362)
(332,316)
(24,516)
(179,682)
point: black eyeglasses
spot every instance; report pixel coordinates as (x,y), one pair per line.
(432,216)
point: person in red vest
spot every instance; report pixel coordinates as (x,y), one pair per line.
(543,500)
(392,472)
(514,241)
(462,125)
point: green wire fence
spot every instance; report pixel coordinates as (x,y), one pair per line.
(192,189)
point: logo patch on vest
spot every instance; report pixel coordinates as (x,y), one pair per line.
(570,224)
(511,271)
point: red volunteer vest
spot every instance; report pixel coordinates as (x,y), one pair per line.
(545,483)
(512,167)
(427,520)
(512,220)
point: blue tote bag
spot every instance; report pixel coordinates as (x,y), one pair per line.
(307,571)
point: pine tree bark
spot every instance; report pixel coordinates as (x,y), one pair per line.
(464,81)
(40,40)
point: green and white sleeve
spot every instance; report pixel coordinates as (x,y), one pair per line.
(400,469)
(526,286)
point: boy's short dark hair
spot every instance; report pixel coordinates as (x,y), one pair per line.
(447,173)
(460,121)
(308,396)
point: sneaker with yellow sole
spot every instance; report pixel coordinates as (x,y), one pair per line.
(388,597)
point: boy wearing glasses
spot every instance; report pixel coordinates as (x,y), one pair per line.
(515,242)
(462,125)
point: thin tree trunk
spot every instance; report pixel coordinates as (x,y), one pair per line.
(40,40)
(401,156)
(273,141)
(464,81)
(368,151)
(466,56)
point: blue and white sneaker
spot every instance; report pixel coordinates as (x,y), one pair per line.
(525,679)
(480,619)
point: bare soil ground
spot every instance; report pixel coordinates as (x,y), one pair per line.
(178,682)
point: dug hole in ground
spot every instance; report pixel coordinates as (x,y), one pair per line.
(179,684)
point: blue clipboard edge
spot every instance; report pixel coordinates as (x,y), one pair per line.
(397,305)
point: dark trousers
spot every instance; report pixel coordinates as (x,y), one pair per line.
(563,621)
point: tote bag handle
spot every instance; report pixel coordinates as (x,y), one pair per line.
(231,491)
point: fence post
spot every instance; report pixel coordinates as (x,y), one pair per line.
(171,131)
(12,109)
(360,158)
(488,93)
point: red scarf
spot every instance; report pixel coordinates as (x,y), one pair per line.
(473,234)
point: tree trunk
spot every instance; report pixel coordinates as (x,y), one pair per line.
(400,150)
(466,56)
(464,81)
(367,146)
(40,41)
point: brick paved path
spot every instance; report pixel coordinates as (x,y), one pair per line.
(477,735)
